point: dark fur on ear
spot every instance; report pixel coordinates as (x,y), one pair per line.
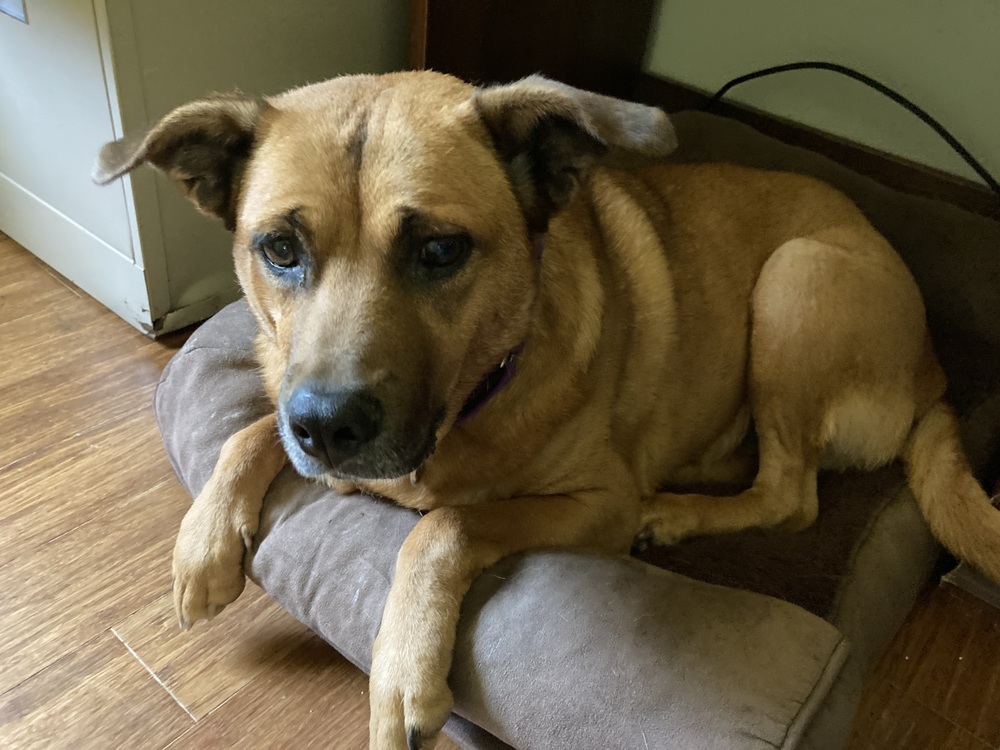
(548,134)
(202,146)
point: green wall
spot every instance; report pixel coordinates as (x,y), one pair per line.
(942,54)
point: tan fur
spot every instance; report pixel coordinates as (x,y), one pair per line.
(672,304)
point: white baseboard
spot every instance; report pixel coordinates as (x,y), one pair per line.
(80,256)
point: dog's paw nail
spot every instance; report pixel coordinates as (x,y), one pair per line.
(247,538)
(414,739)
(643,541)
(185,625)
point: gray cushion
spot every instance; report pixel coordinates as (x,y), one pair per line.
(565,650)
(652,655)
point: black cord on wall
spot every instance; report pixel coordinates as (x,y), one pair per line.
(878,86)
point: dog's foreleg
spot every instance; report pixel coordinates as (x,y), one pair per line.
(219,527)
(447,549)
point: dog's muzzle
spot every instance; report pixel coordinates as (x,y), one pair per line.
(345,432)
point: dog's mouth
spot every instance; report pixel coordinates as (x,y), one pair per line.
(392,455)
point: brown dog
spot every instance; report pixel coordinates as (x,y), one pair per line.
(501,306)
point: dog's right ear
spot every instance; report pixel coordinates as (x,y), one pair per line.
(202,146)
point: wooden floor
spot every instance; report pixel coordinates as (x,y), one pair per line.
(938,685)
(90,656)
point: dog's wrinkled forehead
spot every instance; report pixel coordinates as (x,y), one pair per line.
(352,148)
(360,144)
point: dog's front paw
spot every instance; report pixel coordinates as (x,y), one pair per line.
(408,705)
(208,561)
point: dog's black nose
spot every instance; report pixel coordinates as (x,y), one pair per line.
(333,425)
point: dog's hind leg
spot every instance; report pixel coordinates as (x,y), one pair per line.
(783,494)
(837,337)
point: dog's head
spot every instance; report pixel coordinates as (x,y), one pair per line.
(384,231)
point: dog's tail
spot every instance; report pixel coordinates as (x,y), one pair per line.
(953,502)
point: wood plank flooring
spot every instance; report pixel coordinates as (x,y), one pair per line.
(90,656)
(938,685)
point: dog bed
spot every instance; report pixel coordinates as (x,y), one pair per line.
(752,640)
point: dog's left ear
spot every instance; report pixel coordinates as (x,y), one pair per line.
(548,134)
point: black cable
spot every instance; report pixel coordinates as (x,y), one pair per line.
(882,89)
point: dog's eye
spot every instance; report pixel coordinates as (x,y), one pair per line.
(444,252)
(281,251)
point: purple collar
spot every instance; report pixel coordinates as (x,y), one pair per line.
(491,385)
(497,378)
